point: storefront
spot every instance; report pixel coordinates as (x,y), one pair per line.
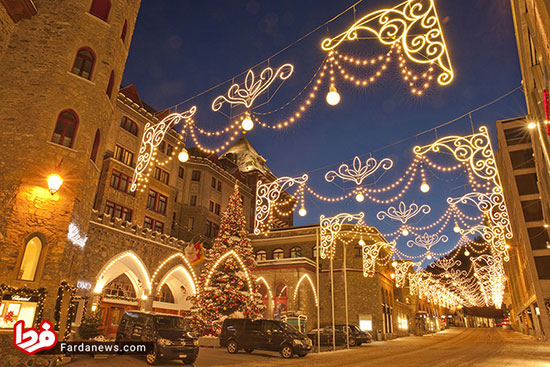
(18,305)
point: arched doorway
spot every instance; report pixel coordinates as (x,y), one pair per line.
(118,296)
(173,289)
(281,300)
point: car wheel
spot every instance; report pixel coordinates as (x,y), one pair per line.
(249,350)
(189,360)
(232,347)
(286,351)
(352,342)
(152,357)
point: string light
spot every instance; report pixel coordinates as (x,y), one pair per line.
(247,124)
(183,156)
(333,97)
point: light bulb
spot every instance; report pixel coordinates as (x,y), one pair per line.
(467,253)
(54,183)
(394,264)
(531,125)
(405,232)
(456,228)
(247,124)
(429,257)
(302,212)
(424,187)
(392,275)
(143,297)
(183,156)
(333,97)
(361,242)
(359,197)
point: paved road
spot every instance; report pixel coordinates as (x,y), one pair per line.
(450,348)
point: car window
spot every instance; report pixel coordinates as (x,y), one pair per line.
(255,326)
(270,327)
(287,327)
(170,322)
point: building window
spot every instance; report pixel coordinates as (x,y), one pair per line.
(121,286)
(211,206)
(527,184)
(542,264)
(217,209)
(95,146)
(180,172)
(219,186)
(65,129)
(124,155)
(278,254)
(110,85)
(196,176)
(165,295)
(532,210)
(153,224)
(358,251)
(129,125)
(31,257)
(124,31)
(518,135)
(121,182)
(161,175)
(84,63)
(261,255)
(156,202)
(118,211)
(296,252)
(193,200)
(173,220)
(169,149)
(213,182)
(522,159)
(538,236)
(101,9)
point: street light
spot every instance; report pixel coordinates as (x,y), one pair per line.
(54,183)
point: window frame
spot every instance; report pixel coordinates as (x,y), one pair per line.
(108,11)
(95,146)
(278,251)
(128,124)
(66,122)
(196,175)
(93,61)
(157,201)
(41,256)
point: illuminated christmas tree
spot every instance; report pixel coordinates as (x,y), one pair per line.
(225,278)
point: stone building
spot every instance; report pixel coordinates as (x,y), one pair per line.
(524,166)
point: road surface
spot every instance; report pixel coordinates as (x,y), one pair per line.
(451,348)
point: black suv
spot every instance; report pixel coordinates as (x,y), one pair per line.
(170,334)
(356,336)
(263,334)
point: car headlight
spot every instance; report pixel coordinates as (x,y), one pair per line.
(297,341)
(164,342)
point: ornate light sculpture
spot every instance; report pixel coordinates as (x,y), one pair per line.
(402,213)
(414,25)
(152,137)
(330,228)
(370,255)
(402,268)
(357,173)
(427,241)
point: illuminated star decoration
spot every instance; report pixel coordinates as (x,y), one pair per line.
(403,214)
(253,87)
(152,137)
(357,173)
(414,25)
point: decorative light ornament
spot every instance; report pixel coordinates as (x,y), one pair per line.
(362,242)
(532,125)
(252,88)
(302,212)
(54,183)
(359,197)
(392,275)
(330,228)
(424,187)
(427,241)
(429,256)
(394,264)
(333,97)
(247,124)
(466,252)
(456,228)
(403,214)
(405,232)
(392,26)
(183,156)
(357,173)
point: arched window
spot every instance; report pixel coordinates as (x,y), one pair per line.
(31,256)
(165,295)
(278,254)
(124,31)
(296,252)
(65,128)
(95,147)
(84,63)
(110,85)
(129,125)
(261,255)
(101,9)
(121,286)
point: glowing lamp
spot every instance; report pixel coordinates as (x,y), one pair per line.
(405,232)
(361,242)
(54,183)
(183,156)
(392,275)
(424,187)
(467,253)
(333,97)
(429,257)
(302,212)
(456,228)
(507,246)
(143,297)
(359,197)
(94,307)
(394,264)
(247,124)
(531,125)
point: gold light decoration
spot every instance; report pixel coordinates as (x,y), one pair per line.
(357,173)
(266,195)
(414,25)
(370,255)
(427,241)
(152,137)
(402,268)
(330,228)
(403,213)
(253,87)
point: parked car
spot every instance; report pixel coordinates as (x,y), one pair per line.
(356,336)
(170,334)
(263,334)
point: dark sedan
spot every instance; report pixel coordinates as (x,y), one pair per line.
(356,336)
